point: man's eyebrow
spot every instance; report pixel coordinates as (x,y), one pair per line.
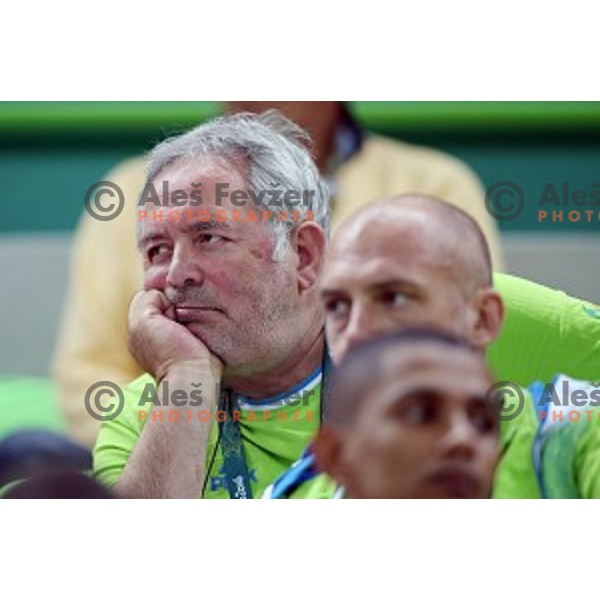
(393,283)
(414,391)
(195,226)
(150,237)
(200,226)
(328,289)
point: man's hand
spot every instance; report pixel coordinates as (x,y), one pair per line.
(159,343)
(169,458)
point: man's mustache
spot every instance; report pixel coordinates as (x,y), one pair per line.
(193,298)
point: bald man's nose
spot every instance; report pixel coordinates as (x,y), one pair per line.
(184,269)
(364,324)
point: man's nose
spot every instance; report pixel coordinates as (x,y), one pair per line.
(460,439)
(363,325)
(185,269)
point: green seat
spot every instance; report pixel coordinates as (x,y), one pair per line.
(28,403)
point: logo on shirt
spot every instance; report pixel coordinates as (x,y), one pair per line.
(240,492)
(219,482)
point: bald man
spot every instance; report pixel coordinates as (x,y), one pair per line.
(440,253)
(417,261)
(408,261)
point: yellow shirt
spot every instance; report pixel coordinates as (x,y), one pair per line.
(106,268)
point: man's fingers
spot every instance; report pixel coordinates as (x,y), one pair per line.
(152,302)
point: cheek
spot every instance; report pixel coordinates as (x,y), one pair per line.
(155,278)
(425,315)
(226,280)
(411,314)
(335,342)
(489,456)
(450,310)
(242,284)
(390,449)
(246,282)
(408,448)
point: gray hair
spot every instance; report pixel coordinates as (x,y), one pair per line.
(276,151)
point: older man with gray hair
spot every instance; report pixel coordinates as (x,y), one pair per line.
(232,229)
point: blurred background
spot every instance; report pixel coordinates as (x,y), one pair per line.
(50,153)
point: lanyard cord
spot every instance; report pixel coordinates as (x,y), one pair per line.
(225,404)
(212,460)
(326,370)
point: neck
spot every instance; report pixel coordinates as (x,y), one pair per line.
(306,358)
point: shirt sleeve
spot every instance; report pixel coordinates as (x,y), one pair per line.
(118,437)
(587,461)
(546,332)
(569,438)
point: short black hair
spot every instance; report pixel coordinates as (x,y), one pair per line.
(359,369)
(59,485)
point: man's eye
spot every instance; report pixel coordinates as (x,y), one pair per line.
(394,299)
(337,308)
(483,421)
(419,412)
(158,252)
(210,238)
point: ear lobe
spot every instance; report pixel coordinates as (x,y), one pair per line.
(308,241)
(327,450)
(489,308)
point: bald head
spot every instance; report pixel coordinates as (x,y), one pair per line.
(409,261)
(437,231)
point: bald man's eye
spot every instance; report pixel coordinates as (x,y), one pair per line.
(337,308)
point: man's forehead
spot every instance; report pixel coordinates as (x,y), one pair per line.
(387,244)
(189,171)
(433,364)
(201,180)
(394,233)
(374,269)
(355,268)
(425,355)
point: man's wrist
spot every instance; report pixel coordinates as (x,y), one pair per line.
(206,369)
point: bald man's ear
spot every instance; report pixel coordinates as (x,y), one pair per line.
(327,448)
(308,242)
(488,317)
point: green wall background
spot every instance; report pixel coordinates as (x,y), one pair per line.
(51,152)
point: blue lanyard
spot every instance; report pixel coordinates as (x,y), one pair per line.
(302,470)
(235,466)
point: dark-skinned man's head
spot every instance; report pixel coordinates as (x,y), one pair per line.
(407,416)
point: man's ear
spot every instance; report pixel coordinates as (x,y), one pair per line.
(327,448)
(308,241)
(488,317)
